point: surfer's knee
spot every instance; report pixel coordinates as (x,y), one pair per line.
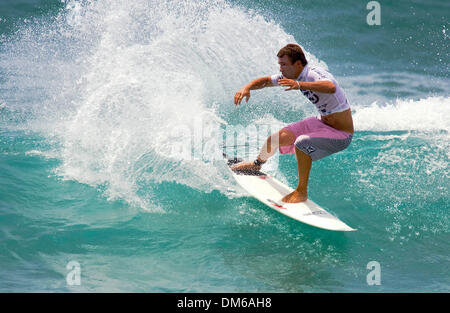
(286,137)
(283,137)
(302,139)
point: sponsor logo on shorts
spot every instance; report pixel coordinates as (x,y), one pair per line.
(310,149)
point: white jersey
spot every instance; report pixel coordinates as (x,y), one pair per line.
(326,103)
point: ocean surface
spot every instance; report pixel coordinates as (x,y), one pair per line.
(112,113)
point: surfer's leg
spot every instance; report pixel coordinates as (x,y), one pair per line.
(304,163)
(282,138)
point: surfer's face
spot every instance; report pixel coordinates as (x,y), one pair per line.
(288,69)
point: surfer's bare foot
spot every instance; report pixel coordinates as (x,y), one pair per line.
(295,197)
(246,166)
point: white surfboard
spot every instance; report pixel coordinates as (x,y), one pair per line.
(270,191)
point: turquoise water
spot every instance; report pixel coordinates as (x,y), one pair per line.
(94,94)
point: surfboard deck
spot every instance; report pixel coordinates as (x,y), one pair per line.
(270,191)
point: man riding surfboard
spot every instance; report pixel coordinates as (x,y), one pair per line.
(312,138)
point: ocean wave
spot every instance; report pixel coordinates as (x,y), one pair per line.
(427,115)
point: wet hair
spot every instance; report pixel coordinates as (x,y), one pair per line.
(294,53)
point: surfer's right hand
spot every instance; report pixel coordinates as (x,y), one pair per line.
(244,92)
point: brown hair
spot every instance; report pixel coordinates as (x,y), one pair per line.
(294,53)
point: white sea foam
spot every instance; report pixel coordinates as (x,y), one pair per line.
(428,114)
(117,85)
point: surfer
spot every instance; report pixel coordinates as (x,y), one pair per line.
(312,138)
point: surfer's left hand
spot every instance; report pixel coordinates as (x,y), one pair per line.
(292,84)
(244,92)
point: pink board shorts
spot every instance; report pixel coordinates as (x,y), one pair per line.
(316,139)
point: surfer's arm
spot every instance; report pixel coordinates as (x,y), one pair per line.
(258,83)
(323,86)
